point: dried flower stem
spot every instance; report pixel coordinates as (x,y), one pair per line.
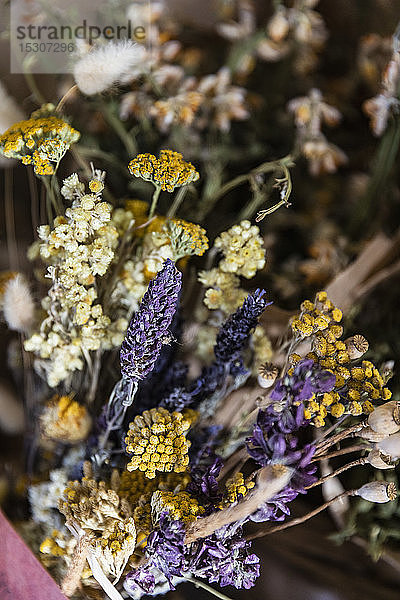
(73,576)
(177,201)
(154,201)
(340,452)
(65,97)
(350,465)
(322,447)
(271,480)
(304,518)
(200,584)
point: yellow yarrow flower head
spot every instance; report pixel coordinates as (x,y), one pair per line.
(39,141)
(181,506)
(235,489)
(157,441)
(167,172)
(186,238)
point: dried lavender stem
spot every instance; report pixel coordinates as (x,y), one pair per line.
(302,519)
(350,465)
(199,584)
(271,480)
(73,576)
(340,452)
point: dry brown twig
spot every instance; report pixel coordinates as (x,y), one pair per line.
(271,480)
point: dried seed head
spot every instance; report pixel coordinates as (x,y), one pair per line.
(386,418)
(370,435)
(378,491)
(378,460)
(267,375)
(356,346)
(390,446)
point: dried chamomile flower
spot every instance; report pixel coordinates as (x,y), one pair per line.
(235,489)
(186,238)
(167,172)
(38,141)
(242,250)
(65,420)
(181,506)
(157,441)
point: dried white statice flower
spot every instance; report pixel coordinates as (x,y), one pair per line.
(106,65)
(11,412)
(18,306)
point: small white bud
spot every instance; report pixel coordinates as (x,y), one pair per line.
(390,446)
(386,418)
(378,460)
(378,491)
(278,26)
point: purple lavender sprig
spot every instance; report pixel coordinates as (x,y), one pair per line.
(149,326)
(275,437)
(234,335)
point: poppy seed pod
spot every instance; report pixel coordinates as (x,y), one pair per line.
(370,435)
(378,460)
(386,418)
(390,446)
(378,491)
(356,346)
(267,375)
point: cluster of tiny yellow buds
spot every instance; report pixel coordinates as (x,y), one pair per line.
(181,506)
(235,489)
(242,247)
(318,316)
(120,536)
(167,172)
(65,420)
(356,387)
(38,141)
(50,546)
(186,238)
(157,441)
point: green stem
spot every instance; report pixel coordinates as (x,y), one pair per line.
(177,201)
(120,130)
(200,584)
(154,201)
(30,80)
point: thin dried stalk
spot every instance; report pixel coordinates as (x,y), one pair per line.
(271,480)
(73,576)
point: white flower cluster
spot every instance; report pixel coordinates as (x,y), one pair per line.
(79,248)
(242,248)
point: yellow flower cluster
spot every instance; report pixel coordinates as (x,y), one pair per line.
(65,420)
(235,489)
(356,387)
(116,546)
(167,172)
(181,506)
(50,546)
(157,441)
(242,248)
(38,141)
(186,238)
